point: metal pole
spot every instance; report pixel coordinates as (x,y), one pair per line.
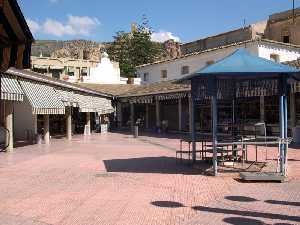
(193,134)
(214,133)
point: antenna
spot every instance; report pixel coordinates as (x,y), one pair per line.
(244,27)
(293,11)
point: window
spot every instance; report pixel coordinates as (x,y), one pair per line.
(185,70)
(286,39)
(146,76)
(274,58)
(84,71)
(70,71)
(210,62)
(164,74)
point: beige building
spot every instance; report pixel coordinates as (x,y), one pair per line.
(68,69)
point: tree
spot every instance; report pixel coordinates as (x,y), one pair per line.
(134,48)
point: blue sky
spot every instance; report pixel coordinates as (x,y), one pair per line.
(187,20)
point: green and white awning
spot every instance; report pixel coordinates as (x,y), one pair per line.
(11,89)
(42,98)
(87,103)
(103,105)
(67,97)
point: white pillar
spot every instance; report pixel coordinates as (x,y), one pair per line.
(157,108)
(9,141)
(262,108)
(46,129)
(190,114)
(88,124)
(69,123)
(147,116)
(131,116)
(292,110)
(179,114)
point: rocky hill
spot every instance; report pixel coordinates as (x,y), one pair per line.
(73,49)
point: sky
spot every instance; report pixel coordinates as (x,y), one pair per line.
(183,21)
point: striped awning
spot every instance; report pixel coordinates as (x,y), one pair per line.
(67,97)
(85,102)
(103,105)
(42,97)
(10,89)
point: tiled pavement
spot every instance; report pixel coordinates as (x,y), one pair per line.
(115,179)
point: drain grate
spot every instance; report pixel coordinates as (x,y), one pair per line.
(105,174)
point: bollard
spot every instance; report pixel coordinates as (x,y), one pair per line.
(136,131)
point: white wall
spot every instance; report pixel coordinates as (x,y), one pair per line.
(106,72)
(196,62)
(285,53)
(23,119)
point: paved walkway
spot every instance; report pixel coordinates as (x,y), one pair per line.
(114,179)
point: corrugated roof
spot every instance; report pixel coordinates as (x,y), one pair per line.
(112,89)
(158,88)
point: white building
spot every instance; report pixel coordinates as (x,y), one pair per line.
(187,64)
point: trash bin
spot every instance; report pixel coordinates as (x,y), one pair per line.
(296,134)
(136,131)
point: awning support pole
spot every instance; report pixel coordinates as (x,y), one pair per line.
(69,123)
(9,125)
(46,129)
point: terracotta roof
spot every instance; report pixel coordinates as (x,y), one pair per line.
(112,89)
(158,88)
(295,63)
(221,47)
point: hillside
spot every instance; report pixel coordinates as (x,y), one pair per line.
(73,49)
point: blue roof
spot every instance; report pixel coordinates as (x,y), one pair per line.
(242,62)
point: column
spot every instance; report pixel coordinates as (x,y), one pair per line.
(147,117)
(87,130)
(69,123)
(9,141)
(179,114)
(119,114)
(34,120)
(157,108)
(190,114)
(262,108)
(292,110)
(131,116)
(46,129)
(193,127)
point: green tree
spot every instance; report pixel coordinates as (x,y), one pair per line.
(134,48)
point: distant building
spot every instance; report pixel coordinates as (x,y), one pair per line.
(281,27)
(172,69)
(284,27)
(103,71)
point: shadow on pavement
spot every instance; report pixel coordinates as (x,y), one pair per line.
(162,165)
(247,213)
(283,203)
(167,204)
(243,221)
(240,199)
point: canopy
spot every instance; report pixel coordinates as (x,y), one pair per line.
(242,63)
(42,98)
(10,89)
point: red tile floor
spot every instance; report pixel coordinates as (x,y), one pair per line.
(114,179)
